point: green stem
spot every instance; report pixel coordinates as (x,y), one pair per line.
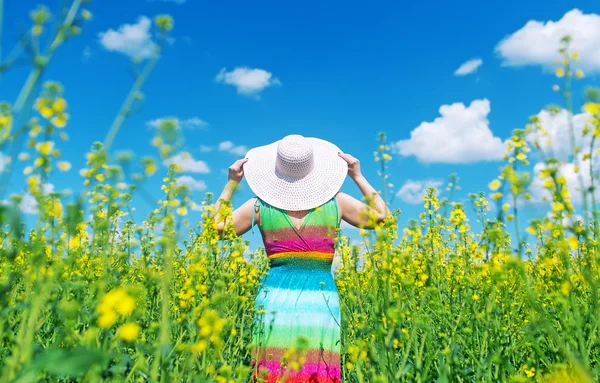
(164,320)
(569,105)
(128,103)
(30,84)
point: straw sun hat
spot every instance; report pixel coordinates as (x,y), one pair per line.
(295,173)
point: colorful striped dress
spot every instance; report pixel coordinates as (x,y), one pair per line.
(299,298)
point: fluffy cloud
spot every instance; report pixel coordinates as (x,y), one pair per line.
(468,67)
(206,148)
(557,143)
(413,191)
(461,135)
(228,146)
(133,40)
(539,194)
(188,163)
(190,123)
(557,140)
(191,183)
(247,81)
(29,204)
(4,161)
(537,42)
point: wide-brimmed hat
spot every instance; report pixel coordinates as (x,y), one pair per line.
(295,173)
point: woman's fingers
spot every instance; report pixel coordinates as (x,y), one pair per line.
(348,158)
(238,165)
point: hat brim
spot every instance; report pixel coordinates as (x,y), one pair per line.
(311,191)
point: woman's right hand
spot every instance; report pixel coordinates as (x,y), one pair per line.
(236,171)
(353,165)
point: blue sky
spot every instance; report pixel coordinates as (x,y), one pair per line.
(341,71)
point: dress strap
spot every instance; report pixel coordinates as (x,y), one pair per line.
(254,209)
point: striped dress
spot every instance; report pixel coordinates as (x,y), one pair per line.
(299,298)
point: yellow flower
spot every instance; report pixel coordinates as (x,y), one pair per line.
(592,108)
(521,156)
(198,347)
(476,297)
(129,332)
(559,72)
(579,73)
(60,120)
(87,15)
(182,211)
(126,305)
(64,166)
(107,319)
(557,206)
(495,185)
(150,168)
(530,372)
(506,206)
(33,184)
(23,156)
(45,148)
(59,105)
(573,243)
(37,30)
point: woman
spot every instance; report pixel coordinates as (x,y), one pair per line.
(298,209)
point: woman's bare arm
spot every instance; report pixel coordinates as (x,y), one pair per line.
(356,212)
(242,216)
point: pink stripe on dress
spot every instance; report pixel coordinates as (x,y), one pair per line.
(324,245)
(309,370)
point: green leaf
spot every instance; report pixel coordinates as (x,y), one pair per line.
(64,363)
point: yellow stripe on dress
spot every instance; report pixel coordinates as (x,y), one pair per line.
(316,255)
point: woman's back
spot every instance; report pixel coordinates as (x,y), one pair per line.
(300,298)
(313,239)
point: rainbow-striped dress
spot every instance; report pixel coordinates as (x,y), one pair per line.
(299,298)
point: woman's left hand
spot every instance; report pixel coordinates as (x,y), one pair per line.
(236,171)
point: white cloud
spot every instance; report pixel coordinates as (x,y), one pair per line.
(29,204)
(188,163)
(461,135)
(191,183)
(190,123)
(556,141)
(539,194)
(557,144)
(206,148)
(413,191)
(133,40)
(538,42)
(247,81)
(4,161)
(468,67)
(228,146)
(225,145)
